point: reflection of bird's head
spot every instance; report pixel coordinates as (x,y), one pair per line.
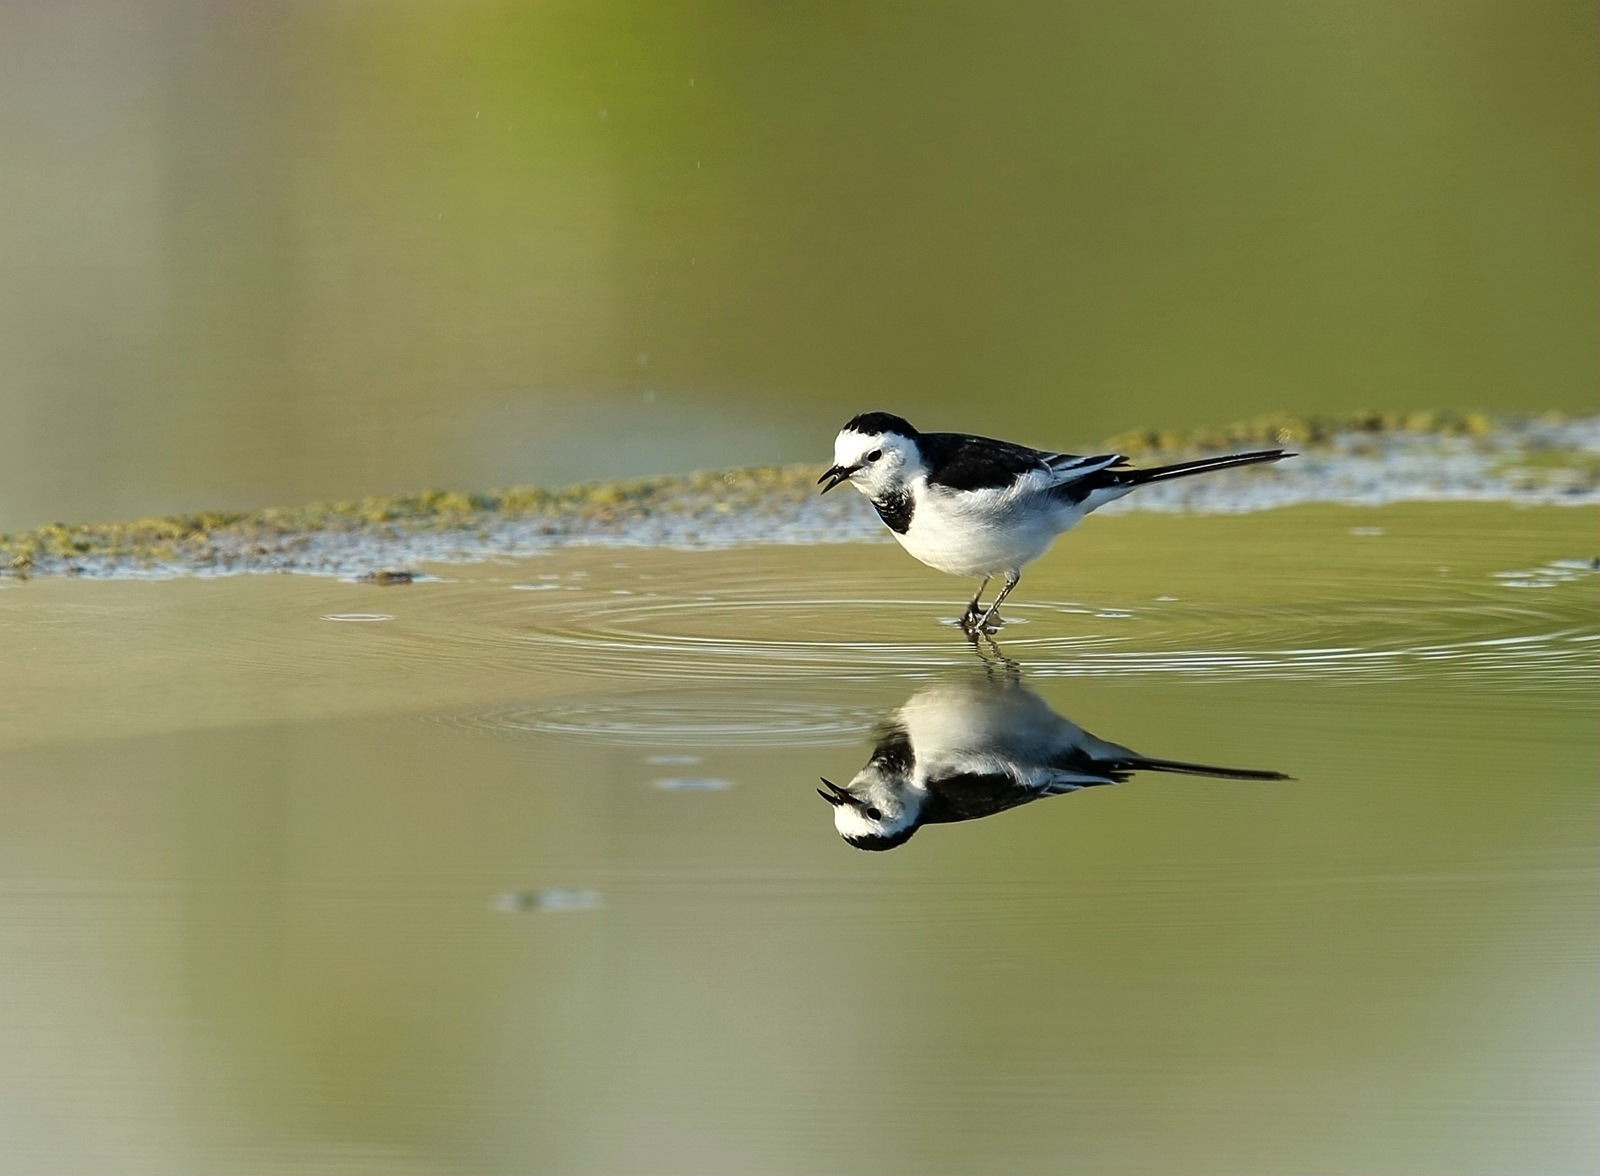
(946,755)
(877,453)
(870,814)
(970,747)
(878,810)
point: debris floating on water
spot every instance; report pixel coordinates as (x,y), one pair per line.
(561,898)
(1549,575)
(693,784)
(1367,459)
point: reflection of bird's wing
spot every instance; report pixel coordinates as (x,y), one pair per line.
(967,795)
(963,796)
(1091,761)
(1114,763)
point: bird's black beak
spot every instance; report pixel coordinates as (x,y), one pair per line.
(835,795)
(834,475)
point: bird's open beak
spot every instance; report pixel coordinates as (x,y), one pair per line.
(835,475)
(835,795)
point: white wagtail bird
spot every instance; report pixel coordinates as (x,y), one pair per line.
(974,506)
(972,747)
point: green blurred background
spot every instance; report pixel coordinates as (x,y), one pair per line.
(267,253)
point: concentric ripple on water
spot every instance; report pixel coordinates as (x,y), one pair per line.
(747,672)
(684,718)
(764,631)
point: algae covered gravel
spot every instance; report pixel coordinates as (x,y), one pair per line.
(1363,459)
(358,537)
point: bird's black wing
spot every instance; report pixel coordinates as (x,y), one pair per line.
(959,461)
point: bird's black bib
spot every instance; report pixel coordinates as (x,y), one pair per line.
(895,511)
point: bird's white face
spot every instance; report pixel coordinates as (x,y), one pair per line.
(877,464)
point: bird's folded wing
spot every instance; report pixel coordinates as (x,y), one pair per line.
(960,461)
(1067,468)
(957,461)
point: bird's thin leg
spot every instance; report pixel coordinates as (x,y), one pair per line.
(994,609)
(973,611)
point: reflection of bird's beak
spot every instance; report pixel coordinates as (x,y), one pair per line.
(835,475)
(835,795)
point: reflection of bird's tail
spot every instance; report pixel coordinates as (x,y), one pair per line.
(1204,466)
(1142,764)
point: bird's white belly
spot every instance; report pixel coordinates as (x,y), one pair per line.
(980,536)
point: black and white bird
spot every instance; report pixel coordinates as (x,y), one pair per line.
(971,747)
(974,506)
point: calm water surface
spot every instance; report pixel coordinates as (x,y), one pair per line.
(524,868)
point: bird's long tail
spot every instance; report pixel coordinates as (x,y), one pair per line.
(1205,465)
(1178,767)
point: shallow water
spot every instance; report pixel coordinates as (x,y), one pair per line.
(523,867)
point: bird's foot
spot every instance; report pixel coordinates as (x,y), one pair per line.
(978,621)
(989,652)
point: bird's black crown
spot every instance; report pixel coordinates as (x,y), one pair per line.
(871,423)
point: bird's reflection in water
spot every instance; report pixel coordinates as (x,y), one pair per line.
(965,748)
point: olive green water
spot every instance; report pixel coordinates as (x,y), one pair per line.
(531,874)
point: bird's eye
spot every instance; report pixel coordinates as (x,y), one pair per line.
(874,815)
(875,455)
